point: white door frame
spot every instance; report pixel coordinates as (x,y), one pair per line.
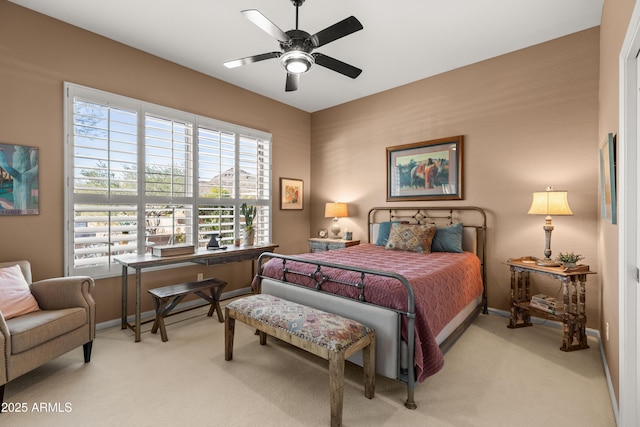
(628,239)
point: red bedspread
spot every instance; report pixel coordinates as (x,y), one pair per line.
(443,284)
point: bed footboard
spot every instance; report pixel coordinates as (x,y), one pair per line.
(385,321)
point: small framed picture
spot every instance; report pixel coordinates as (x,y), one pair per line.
(291,194)
(323,233)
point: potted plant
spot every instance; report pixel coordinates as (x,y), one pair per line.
(249,213)
(569,259)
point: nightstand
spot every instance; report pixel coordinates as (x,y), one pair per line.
(573,281)
(321,245)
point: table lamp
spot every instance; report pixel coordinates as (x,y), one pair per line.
(549,202)
(335,210)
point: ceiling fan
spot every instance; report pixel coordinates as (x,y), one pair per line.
(297,46)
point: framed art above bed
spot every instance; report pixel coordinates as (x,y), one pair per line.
(429,170)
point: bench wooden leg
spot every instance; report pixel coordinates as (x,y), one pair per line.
(229,330)
(164,306)
(336,386)
(369,368)
(160,306)
(216,292)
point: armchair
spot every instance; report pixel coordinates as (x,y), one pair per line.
(66,320)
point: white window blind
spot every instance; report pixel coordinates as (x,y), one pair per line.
(140,175)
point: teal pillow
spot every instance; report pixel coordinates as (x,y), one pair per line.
(448,239)
(384,229)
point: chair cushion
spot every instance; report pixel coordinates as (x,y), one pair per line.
(15,296)
(35,328)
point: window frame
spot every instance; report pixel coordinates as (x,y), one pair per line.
(262,199)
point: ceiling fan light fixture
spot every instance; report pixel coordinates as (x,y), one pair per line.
(297,61)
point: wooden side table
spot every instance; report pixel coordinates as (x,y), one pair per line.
(573,281)
(321,245)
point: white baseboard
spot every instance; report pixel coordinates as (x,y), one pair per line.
(182,306)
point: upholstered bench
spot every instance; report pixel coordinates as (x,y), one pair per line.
(166,298)
(332,337)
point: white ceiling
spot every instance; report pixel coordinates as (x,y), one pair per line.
(401,42)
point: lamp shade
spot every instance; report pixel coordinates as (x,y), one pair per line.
(550,202)
(336,210)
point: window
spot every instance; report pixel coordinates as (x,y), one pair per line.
(140,175)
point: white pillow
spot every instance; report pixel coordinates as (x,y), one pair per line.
(15,295)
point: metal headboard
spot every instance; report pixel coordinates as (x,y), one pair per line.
(470,216)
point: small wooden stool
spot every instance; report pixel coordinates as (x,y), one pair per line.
(166,298)
(332,337)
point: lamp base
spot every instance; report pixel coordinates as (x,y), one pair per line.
(335,229)
(547,262)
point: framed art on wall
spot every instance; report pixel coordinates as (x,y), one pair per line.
(291,193)
(608,178)
(429,170)
(19,180)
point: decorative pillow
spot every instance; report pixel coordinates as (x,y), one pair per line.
(448,239)
(383,232)
(411,237)
(15,296)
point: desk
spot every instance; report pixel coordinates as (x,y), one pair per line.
(573,281)
(202,256)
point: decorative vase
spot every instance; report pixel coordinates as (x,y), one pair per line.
(569,264)
(249,237)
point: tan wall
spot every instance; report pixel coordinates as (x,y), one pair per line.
(529,118)
(37,54)
(615,19)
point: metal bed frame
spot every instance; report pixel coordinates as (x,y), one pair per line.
(416,215)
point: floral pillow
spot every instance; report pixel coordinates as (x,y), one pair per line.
(411,237)
(15,295)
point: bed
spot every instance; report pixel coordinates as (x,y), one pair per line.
(419,303)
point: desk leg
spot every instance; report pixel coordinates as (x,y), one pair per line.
(123,325)
(138,297)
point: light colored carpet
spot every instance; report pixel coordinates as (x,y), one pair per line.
(493,376)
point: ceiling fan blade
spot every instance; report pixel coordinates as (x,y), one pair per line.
(266,25)
(292,82)
(251,59)
(336,31)
(336,65)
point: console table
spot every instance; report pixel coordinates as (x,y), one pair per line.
(573,281)
(202,256)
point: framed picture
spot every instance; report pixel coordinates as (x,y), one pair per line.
(608,178)
(19,192)
(429,170)
(291,194)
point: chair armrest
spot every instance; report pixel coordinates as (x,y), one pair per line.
(64,292)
